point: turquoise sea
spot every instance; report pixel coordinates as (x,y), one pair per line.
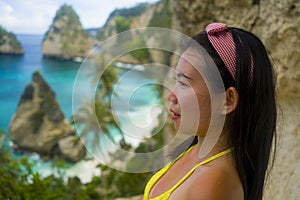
(16,72)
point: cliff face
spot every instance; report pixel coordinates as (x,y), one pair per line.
(39,124)
(276,24)
(9,43)
(143,15)
(125,19)
(66,38)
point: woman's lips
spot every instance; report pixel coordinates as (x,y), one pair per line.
(174,115)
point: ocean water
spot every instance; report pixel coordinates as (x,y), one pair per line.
(16,73)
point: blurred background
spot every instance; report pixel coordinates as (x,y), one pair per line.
(43,45)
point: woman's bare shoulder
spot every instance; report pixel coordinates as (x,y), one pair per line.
(215,184)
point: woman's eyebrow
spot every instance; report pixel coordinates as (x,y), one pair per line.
(179,75)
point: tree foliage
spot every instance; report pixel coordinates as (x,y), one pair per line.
(162,16)
(101,108)
(129,12)
(122,23)
(19,181)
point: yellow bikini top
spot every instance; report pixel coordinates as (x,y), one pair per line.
(161,172)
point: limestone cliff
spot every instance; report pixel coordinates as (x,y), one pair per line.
(140,16)
(39,124)
(9,43)
(66,39)
(276,22)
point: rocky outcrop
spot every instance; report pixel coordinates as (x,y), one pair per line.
(39,124)
(127,18)
(9,44)
(140,16)
(66,39)
(276,24)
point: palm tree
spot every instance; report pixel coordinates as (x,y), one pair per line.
(94,119)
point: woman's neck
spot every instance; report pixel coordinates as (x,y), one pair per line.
(211,149)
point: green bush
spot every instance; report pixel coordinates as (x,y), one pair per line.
(19,182)
(122,23)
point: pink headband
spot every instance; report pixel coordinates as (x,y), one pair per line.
(221,39)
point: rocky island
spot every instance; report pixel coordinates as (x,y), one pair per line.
(9,43)
(39,124)
(66,39)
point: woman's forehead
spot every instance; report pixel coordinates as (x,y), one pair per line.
(187,65)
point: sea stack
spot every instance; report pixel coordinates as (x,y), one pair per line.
(66,39)
(39,124)
(9,43)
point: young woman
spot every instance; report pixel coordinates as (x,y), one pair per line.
(236,166)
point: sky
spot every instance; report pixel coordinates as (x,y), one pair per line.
(35,16)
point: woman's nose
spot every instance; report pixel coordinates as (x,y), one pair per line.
(172,97)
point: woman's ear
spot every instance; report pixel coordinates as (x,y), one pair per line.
(232,99)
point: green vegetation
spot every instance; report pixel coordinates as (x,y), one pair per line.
(121,184)
(19,181)
(129,12)
(140,54)
(122,23)
(162,16)
(102,105)
(67,11)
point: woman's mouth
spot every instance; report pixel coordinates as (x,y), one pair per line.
(174,115)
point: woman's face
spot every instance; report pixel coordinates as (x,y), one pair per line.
(190,102)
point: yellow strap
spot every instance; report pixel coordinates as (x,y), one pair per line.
(158,175)
(198,165)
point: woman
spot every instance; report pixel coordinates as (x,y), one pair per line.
(236,167)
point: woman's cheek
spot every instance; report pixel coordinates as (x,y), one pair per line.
(190,114)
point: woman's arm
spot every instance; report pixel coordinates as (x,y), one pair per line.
(141,198)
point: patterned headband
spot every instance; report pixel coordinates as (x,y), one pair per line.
(221,39)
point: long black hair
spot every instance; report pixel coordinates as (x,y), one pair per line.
(252,125)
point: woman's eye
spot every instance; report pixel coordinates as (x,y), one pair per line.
(182,84)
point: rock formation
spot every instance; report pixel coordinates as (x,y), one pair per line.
(140,16)
(9,43)
(66,39)
(39,124)
(276,24)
